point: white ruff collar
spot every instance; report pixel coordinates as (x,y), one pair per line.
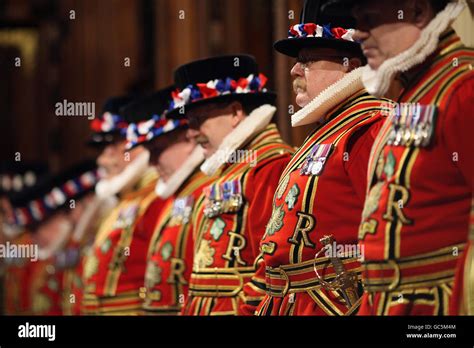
(252,124)
(165,189)
(11,231)
(377,82)
(126,179)
(333,95)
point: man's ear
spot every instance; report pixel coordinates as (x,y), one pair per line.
(354,63)
(424,13)
(238,114)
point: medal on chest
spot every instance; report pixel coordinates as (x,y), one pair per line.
(224,197)
(126,217)
(315,161)
(181,211)
(412,125)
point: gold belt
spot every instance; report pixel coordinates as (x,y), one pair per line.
(429,269)
(219,282)
(300,277)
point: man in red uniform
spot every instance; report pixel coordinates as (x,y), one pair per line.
(86,217)
(15,178)
(420,178)
(47,211)
(177,159)
(115,266)
(229,113)
(310,262)
(17,278)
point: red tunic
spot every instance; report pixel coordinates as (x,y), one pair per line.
(46,287)
(73,287)
(76,252)
(115,267)
(170,254)
(316,198)
(462,300)
(416,216)
(227,243)
(56,286)
(17,281)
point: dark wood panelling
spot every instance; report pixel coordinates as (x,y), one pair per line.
(83,59)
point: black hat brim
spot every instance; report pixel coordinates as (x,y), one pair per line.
(292,47)
(100,140)
(257,98)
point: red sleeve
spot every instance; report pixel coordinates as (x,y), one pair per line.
(358,147)
(456,128)
(456,134)
(254,290)
(260,188)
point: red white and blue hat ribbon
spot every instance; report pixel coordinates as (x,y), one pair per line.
(138,133)
(37,210)
(323,31)
(218,87)
(109,123)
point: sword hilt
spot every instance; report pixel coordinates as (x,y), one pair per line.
(346,281)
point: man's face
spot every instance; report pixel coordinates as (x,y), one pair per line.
(168,152)
(387,28)
(113,158)
(315,70)
(209,126)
